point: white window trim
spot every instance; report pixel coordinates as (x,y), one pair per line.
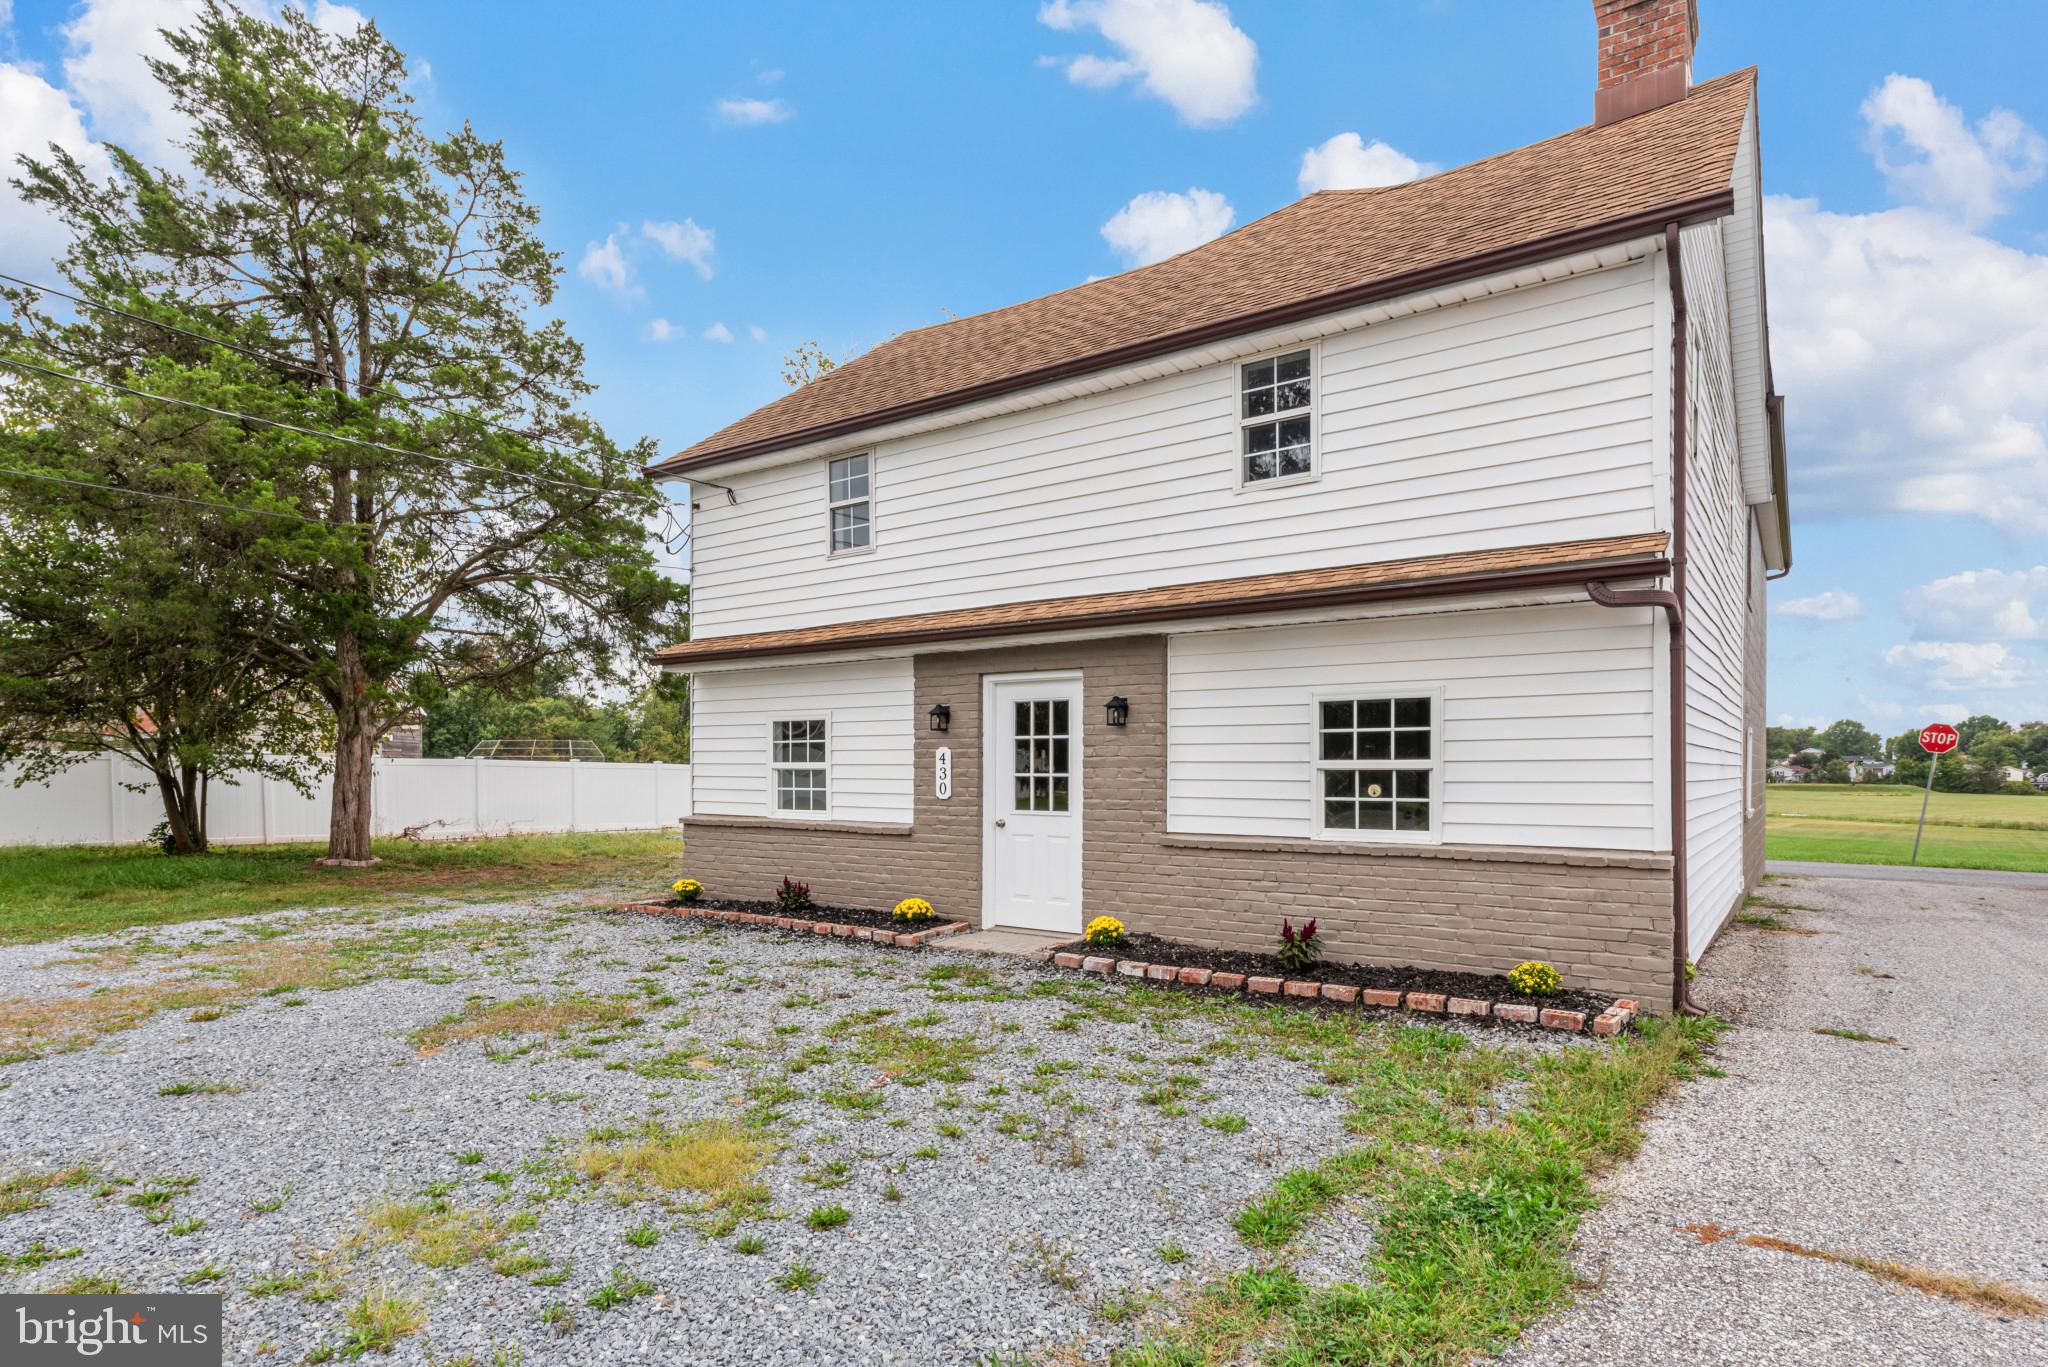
(831,504)
(775,808)
(1435,763)
(1315,419)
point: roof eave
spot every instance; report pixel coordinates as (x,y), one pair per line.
(1698,209)
(1499,581)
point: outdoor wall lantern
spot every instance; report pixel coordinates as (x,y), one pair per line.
(1119,709)
(942,717)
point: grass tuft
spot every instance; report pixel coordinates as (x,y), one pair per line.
(1982,1293)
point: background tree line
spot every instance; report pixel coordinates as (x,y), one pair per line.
(1988,747)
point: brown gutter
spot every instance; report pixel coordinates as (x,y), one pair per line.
(1643,567)
(1713,205)
(1673,603)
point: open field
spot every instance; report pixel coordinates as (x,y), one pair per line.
(1873,824)
(52,891)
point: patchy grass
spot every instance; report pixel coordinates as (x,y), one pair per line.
(47,893)
(798,1277)
(36,1255)
(827,1217)
(1843,1032)
(1476,1218)
(914,1058)
(438,1234)
(713,1160)
(522,1016)
(1982,1293)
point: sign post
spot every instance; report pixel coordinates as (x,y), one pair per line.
(1937,740)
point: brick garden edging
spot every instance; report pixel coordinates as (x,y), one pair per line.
(1612,1021)
(902,939)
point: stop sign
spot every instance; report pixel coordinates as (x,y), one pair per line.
(1939,738)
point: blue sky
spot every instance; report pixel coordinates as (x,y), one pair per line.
(727,181)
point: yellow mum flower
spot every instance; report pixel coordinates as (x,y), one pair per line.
(914,909)
(1105,931)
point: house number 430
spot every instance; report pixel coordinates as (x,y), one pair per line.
(942,772)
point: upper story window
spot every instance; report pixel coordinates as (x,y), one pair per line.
(1376,759)
(796,765)
(851,508)
(1276,409)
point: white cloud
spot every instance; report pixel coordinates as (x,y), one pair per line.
(757,332)
(1930,153)
(683,241)
(1186,52)
(1960,666)
(662,330)
(1982,605)
(1881,711)
(34,114)
(718,332)
(747,112)
(1832,606)
(604,265)
(106,68)
(1160,223)
(1349,162)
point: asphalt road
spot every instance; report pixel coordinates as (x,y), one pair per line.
(1931,1151)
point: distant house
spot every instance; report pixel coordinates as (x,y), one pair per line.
(1339,567)
(2014,774)
(1862,770)
(2041,780)
(1787,773)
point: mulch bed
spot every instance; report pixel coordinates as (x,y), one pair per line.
(1486,986)
(846,916)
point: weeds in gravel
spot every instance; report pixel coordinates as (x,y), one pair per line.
(827,1217)
(523,1016)
(1476,1218)
(270,1205)
(89,1284)
(34,1256)
(912,1058)
(437,1234)
(1861,1037)
(20,1191)
(379,1320)
(202,1088)
(644,1235)
(713,1159)
(623,1287)
(1982,1293)
(798,1277)
(749,1244)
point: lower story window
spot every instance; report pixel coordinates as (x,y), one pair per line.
(796,760)
(1376,765)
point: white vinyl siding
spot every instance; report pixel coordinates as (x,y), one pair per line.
(1716,602)
(870,766)
(1544,729)
(1510,419)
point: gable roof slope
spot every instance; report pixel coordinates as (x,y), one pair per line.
(1329,250)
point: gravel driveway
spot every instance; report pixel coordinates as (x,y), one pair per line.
(1932,1151)
(1007,1175)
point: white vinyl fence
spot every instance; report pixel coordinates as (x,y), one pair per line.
(90,804)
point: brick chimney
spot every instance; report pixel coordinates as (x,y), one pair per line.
(1645,55)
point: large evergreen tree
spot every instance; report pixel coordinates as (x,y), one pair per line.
(389,280)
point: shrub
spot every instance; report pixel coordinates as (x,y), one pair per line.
(1104,932)
(793,896)
(687,889)
(914,909)
(1298,948)
(1535,979)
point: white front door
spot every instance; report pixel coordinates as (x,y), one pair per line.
(1031,802)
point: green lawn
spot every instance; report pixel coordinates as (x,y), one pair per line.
(1873,824)
(50,892)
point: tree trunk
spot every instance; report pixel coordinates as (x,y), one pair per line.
(186,822)
(355,745)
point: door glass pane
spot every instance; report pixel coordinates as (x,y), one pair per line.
(1041,718)
(1059,756)
(1059,793)
(1059,716)
(1023,798)
(1023,718)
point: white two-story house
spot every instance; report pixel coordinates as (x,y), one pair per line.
(1396,560)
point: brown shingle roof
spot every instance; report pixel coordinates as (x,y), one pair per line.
(1561,562)
(1330,250)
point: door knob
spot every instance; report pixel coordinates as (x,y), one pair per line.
(1000,822)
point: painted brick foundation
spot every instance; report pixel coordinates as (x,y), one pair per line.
(1603,917)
